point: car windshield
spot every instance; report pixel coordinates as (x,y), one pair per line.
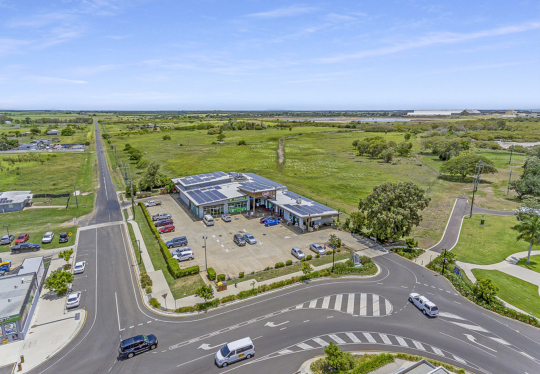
(225,351)
(72,299)
(248,236)
(78,266)
(434,308)
(21,236)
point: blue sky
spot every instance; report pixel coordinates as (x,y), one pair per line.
(269,55)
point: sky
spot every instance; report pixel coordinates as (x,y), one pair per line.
(269,55)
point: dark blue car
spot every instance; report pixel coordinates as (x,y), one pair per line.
(271,222)
(177,242)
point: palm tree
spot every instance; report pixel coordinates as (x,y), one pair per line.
(529,230)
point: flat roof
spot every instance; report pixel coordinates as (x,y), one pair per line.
(10,197)
(256,183)
(307,208)
(13,292)
(30,265)
(194,180)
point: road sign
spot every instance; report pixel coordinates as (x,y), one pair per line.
(70,234)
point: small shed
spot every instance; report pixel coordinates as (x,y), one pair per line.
(11,201)
(53,132)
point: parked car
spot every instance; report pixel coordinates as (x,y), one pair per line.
(7,239)
(79,267)
(263,220)
(239,240)
(297,252)
(178,251)
(64,237)
(250,239)
(235,351)
(177,242)
(74,300)
(161,216)
(168,228)
(423,303)
(271,222)
(317,248)
(138,344)
(184,256)
(226,217)
(152,203)
(22,238)
(164,222)
(25,247)
(208,220)
(48,237)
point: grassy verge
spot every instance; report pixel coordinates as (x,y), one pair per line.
(533,265)
(517,292)
(489,243)
(136,248)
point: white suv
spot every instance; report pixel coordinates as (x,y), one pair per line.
(184,256)
(423,303)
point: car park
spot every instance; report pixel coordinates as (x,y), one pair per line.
(226,217)
(48,237)
(317,248)
(208,220)
(250,239)
(297,252)
(235,351)
(22,238)
(160,216)
(7,239)
(73,300)
(271,222)
(239,240)
(164,222)
(152,203)
(25,247)
(178,251)
(79,267)
(184,256)
(137,344)
(421,302)
(168,228)
(64,237)
(177,242)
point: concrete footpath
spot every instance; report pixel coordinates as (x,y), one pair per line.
(52,328)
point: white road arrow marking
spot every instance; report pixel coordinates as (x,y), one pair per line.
(207,347)
(272,324)
(473,339)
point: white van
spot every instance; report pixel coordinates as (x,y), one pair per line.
(422,303)
(208,220)
(235,351)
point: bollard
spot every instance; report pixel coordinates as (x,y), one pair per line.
(422,262)
(19,367)
(22,359)
(474,298)
(505,311)
(517,316)
(494,308)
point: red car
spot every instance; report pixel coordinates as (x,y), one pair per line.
(22,238)
(168,228)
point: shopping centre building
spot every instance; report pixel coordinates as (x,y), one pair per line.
(219,193)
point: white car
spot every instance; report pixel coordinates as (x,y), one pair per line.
(152,203)
(317,248)
(422,303)
(179,251)
(74,300)
(79,267)
(250,239)
(184,256)
(297,252)
(48,237)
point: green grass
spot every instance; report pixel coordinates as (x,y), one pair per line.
(135,247)
(533,265)
(517,292)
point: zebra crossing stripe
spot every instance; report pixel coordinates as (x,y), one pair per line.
(388,306)
(350,304)
(321,342)
(401,341)
(299,306)
(437,351)
(376,312)
(369,337)
(385,339)
(285,351)
(353,337)
(313,303)
(325,302)
(460,360)
(337,304)
(363,304)
(337,339)
(304,346)
(418,345)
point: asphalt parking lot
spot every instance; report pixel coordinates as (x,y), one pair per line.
(273,243)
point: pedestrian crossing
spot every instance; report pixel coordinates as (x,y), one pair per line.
(356,304)
(368,337)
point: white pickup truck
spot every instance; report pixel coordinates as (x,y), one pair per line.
(152,203)
(422,303)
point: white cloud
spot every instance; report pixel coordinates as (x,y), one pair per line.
(55,80)
(283,12)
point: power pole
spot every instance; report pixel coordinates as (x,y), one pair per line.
(7,228)
(478,174)
(510,163)
(76,200)
(132,201)
(443,262)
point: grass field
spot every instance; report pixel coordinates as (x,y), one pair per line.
(517,292)
(490,243)
(534,263)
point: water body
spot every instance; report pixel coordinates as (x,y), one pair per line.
(348,119)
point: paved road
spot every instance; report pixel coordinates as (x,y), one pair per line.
(358,314)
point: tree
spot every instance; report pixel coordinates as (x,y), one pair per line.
(205,291)
(486,289)
(407,136)
(306,268)
(465,164)
(58,281)
(387,155)
(528,229)
(391,211)
(68,131)
(166,137)
(142,163)
(27,120)
(355,143)
(35,131)
(339,360)
(404,149)
(335,241)
(152,177)
(66,255)
(221,136)
(529,185)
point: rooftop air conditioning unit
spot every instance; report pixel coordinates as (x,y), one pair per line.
(299,201)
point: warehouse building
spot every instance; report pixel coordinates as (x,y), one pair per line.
(11,201)
(219,193)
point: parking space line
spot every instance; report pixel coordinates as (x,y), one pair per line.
(256,259)
(248,265)
(235,268)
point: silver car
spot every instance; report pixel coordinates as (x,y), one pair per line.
(184,256)
(7,239)
(250,239)
(48,237)
(74,300)
(297,252)
(317,248)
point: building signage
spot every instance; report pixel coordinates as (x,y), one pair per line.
(237,199)
(265,193)
(14,318)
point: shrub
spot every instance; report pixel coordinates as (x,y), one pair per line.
(209,304)
(329,252)
(267,268)
(67,266)
(309,257)
(411,243)
(244,294)
(186,309)
(146,281)
(148,289)
(242,142)
(155,303)
(221,277)
(317,255)
(241,275)
(288,263)
(374,363)
(303,259)
(279,265)
(211,274)
(228,299)
(339,250)
(166,137)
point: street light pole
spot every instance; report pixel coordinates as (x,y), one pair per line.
(205,259)
(7,228)
(444,262)
(140,253)
(333,257)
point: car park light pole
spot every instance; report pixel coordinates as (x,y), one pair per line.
(7,228)
(443,262)
(205,260)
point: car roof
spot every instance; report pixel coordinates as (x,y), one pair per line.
(49,232)
(79,263)
(63,233)
(316,245)
(74,294)
(239,343)
(247,234)
(429,303)
(238,235)
(23,234)
(187,252)
(5,236)
(414,294)
(132,340)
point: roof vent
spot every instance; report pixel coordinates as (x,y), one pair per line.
(299,201)
(9,300)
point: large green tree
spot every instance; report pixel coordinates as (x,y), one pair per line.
(528,186)
(58,280)
(465,164)
(152,177)
(205,291)
(528,229)
(391,211)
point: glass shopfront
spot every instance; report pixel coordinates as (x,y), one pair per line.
(237,207)
(214,210)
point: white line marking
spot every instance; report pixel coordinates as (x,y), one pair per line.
(401,341)
(363,304)
(307,320)
(283,328)
(463,341)
(285,352)
(353,337)
(388,307)
(117,312)
(376,311)
(337,339)
(369,337)
(437,351)
(418,345)
(337,303)
(131,327)
(313,303)
(304,346)
(460,360)
(325,303)
(457,302)
(350,304)
(321,342)
(473,339)
(385,339)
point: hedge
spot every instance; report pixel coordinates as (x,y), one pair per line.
(309,257)
(279,265)
(211,274)
(244,294)
(288,263)
(227,299)
(373,364)
(186,309)
(221,277)
(155,303)
(209,304)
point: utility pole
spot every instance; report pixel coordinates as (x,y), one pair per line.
(76,200)
(205,259)
(333,258)
(443,262)
(7,228)
(478,173)
(132,201)
(510,163)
